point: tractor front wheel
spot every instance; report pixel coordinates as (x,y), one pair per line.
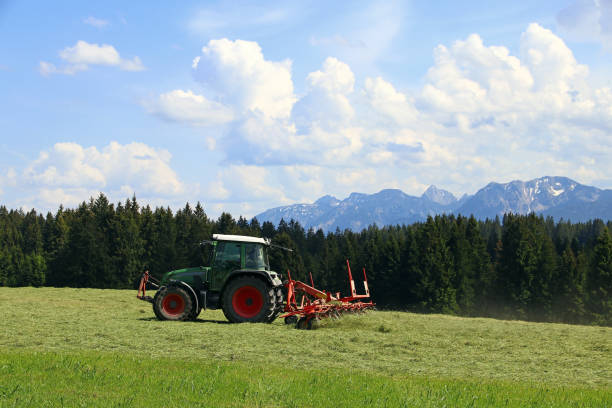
(249,299)
(172,303)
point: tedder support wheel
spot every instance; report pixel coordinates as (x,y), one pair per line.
(173,303)
(291,319)
(304,324)
(249,299)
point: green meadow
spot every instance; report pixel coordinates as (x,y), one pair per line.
(89,347)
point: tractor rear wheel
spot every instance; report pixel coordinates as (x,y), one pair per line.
(249,299)
(280,304)
(172,303)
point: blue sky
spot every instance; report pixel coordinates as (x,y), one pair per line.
(247,106)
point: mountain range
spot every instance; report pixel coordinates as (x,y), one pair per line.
(559,197)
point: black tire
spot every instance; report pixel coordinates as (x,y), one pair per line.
(304,324)
(173,303)
(195,313)
(249,299)
(279,300)
(291,319)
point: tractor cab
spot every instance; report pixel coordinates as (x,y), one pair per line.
(234,252)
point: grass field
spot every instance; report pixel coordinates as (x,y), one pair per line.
(86,347)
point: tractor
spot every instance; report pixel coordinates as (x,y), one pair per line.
(238,281)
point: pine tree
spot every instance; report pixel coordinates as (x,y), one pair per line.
(281,260)
(226,224)
(127,246)
(437,275)
(599,281)
(568,303)
(268,230)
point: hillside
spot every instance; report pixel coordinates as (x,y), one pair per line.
(88,346)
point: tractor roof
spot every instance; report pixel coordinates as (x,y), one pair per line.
(240,238)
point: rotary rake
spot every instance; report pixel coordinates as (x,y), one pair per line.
(317,304)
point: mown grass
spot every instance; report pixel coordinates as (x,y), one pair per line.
(86,347)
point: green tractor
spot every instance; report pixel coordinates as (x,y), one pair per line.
(238,281)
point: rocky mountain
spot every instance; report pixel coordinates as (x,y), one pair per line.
(542,196)
(559,197)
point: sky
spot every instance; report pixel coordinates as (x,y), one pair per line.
(246,106)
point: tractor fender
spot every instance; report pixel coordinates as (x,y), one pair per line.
(273,281)
(189,290)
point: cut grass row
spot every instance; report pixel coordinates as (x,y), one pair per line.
(84,347)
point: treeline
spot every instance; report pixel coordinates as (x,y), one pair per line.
(524,267)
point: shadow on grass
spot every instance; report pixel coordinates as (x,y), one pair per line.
(150,319)
(211,321)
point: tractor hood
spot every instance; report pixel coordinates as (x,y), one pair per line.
(187,275)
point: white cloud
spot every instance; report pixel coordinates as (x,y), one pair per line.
(482,114)
(83,54)
(69,172)
(185,106)
(245,183)
(47,68)
(95,22)
(390,103)
(550,61)
(470,77)
(238,74)
(326,105)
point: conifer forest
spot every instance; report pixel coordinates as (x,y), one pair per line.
(520,267)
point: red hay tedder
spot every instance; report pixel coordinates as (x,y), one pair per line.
(316,304)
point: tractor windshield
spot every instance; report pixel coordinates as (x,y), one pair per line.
(256,257)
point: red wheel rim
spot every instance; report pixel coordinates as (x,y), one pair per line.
(247,301)
(173,304)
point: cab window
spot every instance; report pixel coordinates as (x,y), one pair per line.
(228,256)
(255,257)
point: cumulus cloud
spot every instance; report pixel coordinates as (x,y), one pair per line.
(550,61)
(470,77)
(237,73)
(472,85)
(185,106)
(83,55)
(326,104)
(482,114)
(70,171)
(389,103)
